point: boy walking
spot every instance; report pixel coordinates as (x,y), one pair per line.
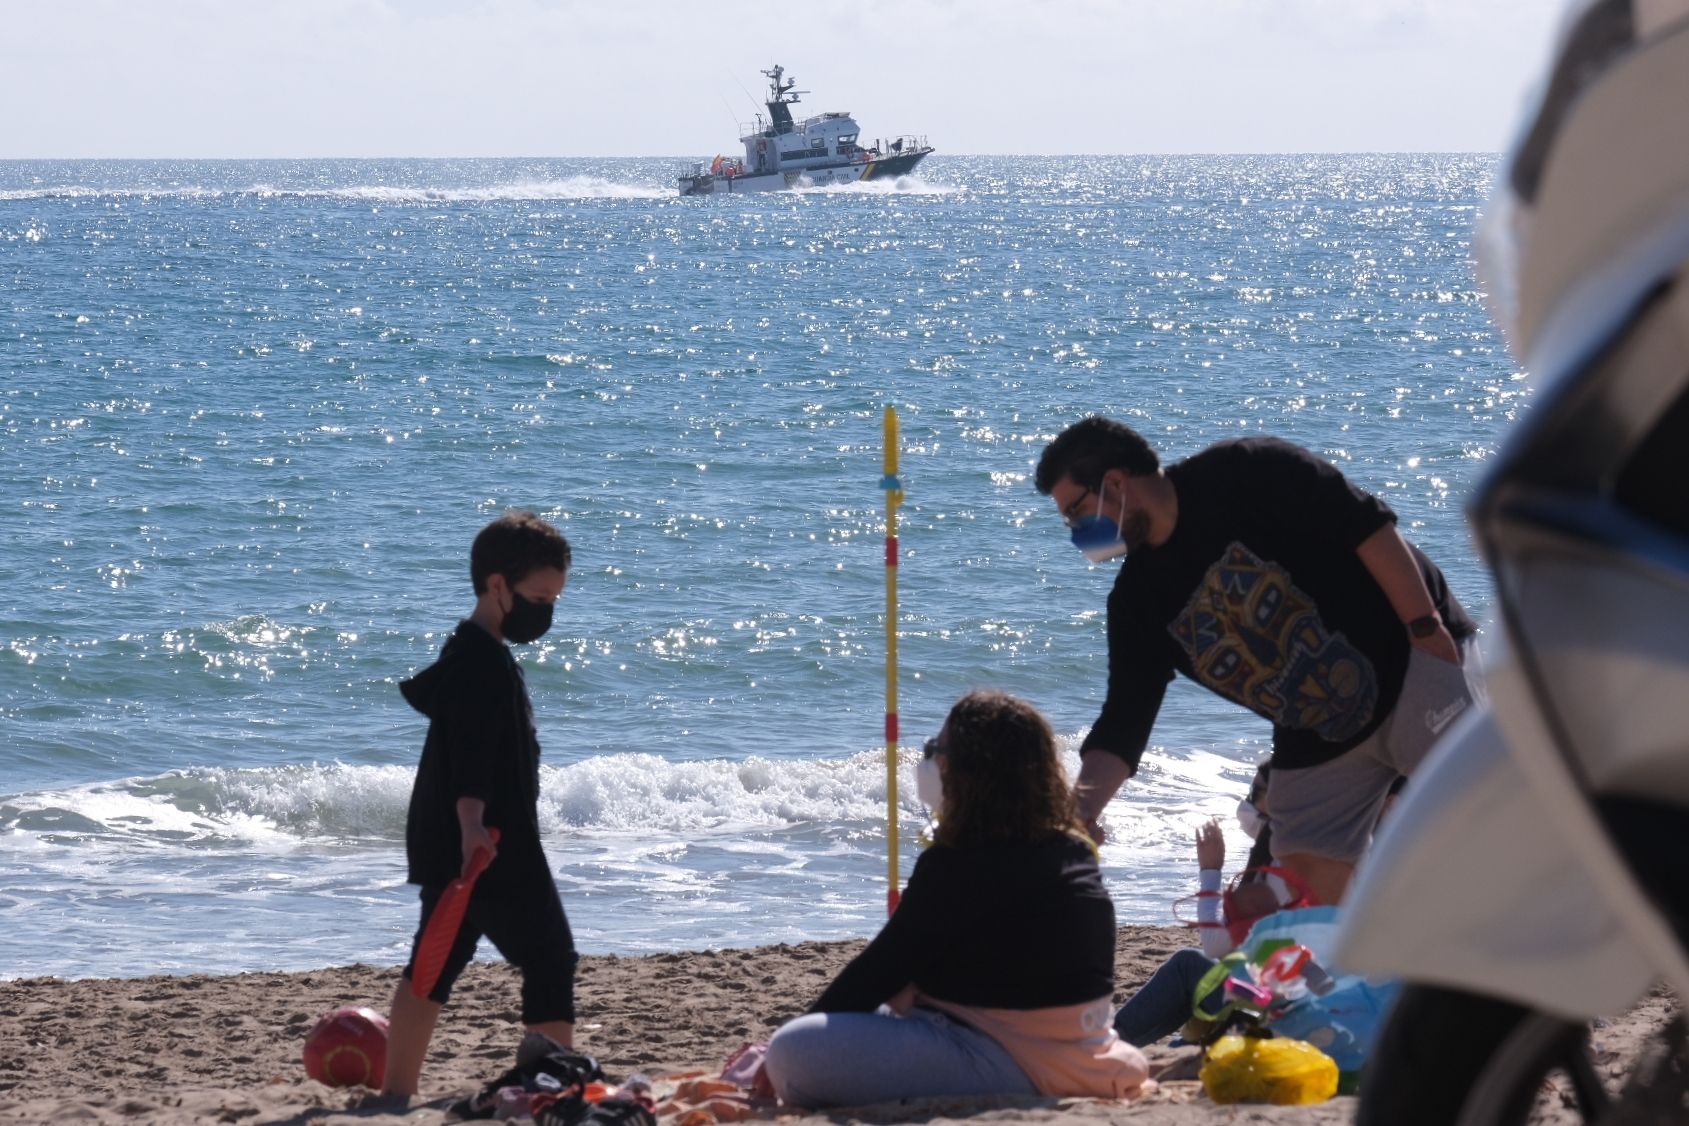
(480,771)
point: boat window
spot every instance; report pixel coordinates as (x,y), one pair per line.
(818,143)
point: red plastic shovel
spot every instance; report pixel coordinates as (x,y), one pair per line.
(443,924)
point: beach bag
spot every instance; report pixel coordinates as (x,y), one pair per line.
(1250,1069)
(1344,1020)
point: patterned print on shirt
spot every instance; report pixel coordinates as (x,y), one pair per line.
(1256,639)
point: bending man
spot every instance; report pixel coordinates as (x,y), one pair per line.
(1259,571)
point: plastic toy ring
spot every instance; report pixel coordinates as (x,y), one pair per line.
(1284,965)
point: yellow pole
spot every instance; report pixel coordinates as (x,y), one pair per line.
(894,497)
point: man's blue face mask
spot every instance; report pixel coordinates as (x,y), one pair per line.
(1099,537)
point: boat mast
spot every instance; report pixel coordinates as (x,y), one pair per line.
(780,97)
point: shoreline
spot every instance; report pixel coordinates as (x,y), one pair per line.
(224,1049)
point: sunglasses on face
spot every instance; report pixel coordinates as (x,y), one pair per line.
(930,747)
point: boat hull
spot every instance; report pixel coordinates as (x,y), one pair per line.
(888,168)
(892,167)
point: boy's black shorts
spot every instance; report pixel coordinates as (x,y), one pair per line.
(529,929)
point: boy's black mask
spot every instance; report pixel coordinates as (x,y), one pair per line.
(525,621)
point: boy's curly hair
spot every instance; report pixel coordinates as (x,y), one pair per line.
(1003,776)
(513,545)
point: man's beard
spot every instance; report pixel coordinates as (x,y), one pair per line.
(1134,533)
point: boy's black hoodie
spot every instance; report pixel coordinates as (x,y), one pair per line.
(480,744)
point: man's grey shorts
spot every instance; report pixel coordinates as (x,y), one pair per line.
(1330,810)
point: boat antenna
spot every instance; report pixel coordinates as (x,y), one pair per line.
(756,104)
(733,117)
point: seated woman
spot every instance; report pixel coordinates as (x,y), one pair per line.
(995,976)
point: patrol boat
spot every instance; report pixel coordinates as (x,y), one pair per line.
(781,152)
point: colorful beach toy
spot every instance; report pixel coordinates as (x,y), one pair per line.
(444,922)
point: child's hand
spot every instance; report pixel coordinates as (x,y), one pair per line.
(475,838)
(903,1000)
(1210,846)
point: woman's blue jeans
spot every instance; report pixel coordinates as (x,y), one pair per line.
(852,1059)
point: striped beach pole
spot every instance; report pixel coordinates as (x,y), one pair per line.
(894,497)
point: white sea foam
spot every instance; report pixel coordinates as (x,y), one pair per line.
(573,187)
(901,185)
(604,796)
(648,854)
(608,794)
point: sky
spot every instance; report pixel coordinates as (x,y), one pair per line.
(560,78)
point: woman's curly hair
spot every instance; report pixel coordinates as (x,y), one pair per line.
(1003,777)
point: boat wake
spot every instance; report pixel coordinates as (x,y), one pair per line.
(574,187)
(903,185)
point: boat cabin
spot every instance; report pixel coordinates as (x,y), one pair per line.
(779,142)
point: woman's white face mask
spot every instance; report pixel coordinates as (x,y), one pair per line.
(1249,819)
(929,783)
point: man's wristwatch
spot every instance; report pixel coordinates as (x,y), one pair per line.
(1425,626)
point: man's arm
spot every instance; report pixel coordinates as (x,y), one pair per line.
(1101,774)
(1309,497)
(1387,559)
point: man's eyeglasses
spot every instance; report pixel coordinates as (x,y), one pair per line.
(1071,514)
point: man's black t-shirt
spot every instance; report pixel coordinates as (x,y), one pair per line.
(1024,926)
(480,744)
(1259,596)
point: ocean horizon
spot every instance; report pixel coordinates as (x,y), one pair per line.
(254,411)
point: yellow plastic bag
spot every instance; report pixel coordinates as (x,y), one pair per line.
(1286,1072)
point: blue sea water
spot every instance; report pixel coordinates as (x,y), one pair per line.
(251,414)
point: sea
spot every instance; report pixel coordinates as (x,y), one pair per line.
(252,414)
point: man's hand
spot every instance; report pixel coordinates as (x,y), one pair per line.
(1101,774)
(1392,566)
(1210,846)
(1440,645)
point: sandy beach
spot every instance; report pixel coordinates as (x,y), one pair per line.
(205,1049)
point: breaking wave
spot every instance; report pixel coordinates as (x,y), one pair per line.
(606,793)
